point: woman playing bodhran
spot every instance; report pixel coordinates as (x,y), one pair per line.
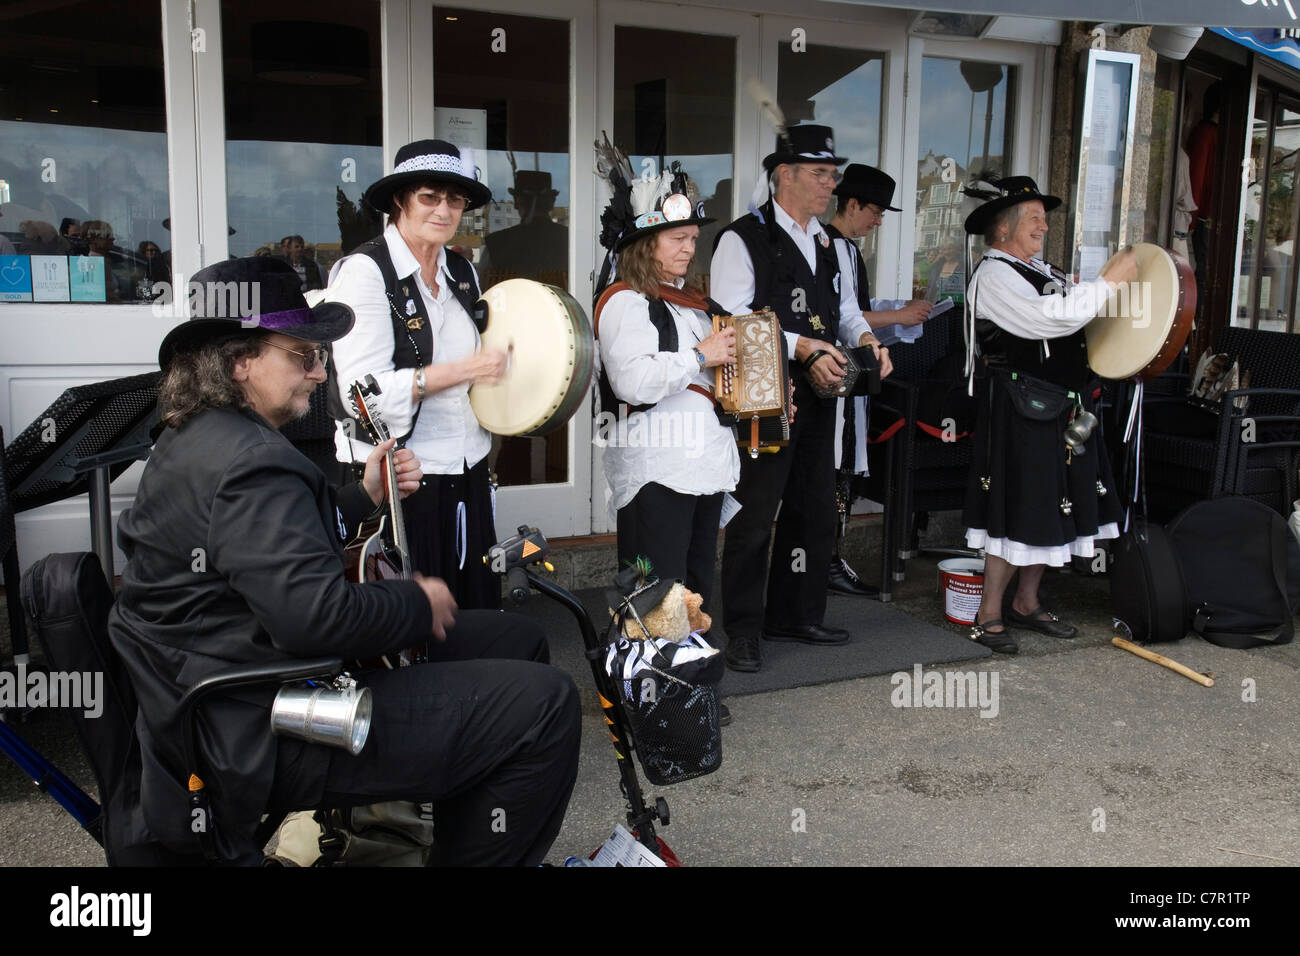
(668,460)
(412,298)
(1032,500)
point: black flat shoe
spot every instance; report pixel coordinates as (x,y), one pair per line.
(842,579)
(1053,626)
(806,634)
(743,654)
(999,642)
(724,715)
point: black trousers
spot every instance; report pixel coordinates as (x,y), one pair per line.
(488,731)
(801,480)
(436,534)
(678,533)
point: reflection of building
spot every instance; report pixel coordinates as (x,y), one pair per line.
(939,200)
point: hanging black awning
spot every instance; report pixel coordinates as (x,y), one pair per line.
(1192,13)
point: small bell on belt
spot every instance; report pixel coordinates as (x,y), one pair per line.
(1101,490)
(1067,506)
(985,481)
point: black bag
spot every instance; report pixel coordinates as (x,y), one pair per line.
(1036,399)
(1241,565)
(1147,592)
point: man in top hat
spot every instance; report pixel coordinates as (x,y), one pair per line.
(538,244)
(234,555)
(864,194)
(780,257)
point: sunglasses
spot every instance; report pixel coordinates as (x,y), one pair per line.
(310,359)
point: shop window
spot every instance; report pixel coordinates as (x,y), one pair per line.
(83,153)
(967,116)
(839,87)
(303,129)
(680,107)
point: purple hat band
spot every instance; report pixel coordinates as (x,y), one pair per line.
(284,320)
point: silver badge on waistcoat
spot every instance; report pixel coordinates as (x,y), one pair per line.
(410,307)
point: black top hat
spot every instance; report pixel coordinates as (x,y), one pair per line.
(807,143)
(1014,190)
(532,182)
(429,160)
(638,586)
(867,184)
(247,296)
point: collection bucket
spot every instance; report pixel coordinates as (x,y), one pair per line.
(962,582)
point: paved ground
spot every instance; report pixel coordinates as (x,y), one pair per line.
(1094,757)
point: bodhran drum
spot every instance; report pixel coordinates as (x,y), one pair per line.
(550,356)
(1143,326)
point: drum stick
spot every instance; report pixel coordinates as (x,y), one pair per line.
(1163,661)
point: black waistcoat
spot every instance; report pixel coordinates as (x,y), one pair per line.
(1068,362)
(784,283)
(863,283)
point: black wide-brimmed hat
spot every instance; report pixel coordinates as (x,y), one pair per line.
(242,297)
(1010,192)
(639,586)
(867,184)
(429,160)
(642,206)
(806,143)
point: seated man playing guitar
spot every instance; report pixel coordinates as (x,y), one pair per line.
(235,555)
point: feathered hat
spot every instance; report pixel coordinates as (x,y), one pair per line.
(642,205)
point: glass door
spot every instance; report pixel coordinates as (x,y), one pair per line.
(503,85)
(1267,278)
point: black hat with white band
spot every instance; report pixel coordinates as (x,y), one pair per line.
(430,160)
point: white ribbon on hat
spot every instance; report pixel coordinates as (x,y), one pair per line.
(442,163)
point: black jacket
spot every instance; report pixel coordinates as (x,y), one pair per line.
(234,555)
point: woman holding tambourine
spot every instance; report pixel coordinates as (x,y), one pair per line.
(1040,489)
(412,297)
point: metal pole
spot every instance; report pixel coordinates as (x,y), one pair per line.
(101,520)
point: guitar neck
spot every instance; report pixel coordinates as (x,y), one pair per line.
(395,510)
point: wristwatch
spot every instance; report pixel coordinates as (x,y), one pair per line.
(699,357)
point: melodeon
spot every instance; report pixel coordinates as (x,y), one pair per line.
(756,389)
(1144,327)
(550,358)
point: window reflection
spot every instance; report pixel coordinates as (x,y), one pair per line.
(679,107)
(966,122)
(303,126)
(837,87)
(82,145)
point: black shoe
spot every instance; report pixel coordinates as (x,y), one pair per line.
(1053,626)
(743,654)
(842,579)
(724,715)
(999,641)
(806,634)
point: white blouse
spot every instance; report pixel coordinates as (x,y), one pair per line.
(678,443)
(447,436)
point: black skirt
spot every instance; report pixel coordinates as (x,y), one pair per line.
(449,528)
(1042,504)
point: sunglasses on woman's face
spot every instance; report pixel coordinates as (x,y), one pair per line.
(310,359)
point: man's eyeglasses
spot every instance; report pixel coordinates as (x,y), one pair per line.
(823,176)
(434,199)
(310,358)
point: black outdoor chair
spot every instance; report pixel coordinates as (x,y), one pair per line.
(922,471)
(68,599)
(1190,453)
